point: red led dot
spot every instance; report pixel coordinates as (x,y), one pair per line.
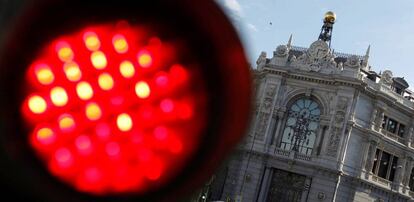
(66,123)
(179,73)
(160,133)
(161,79)
(185,111)
(112,149)
(167,105)
(156,169)
(64,51)
(176,146)
(144,59)
(63,157)
(83,144)
(102,130)
(45,136)
(92,175)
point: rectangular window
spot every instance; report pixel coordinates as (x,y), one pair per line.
(392,125)
(393,168)
(401,130)
(375,161)
(384,122)
(411,182)
(385,165)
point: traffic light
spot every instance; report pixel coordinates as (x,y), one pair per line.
(119,100)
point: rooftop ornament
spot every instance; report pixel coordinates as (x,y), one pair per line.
(327,27)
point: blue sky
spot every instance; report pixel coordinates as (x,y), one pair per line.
(388,26)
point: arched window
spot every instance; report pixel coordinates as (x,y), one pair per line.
(301,125)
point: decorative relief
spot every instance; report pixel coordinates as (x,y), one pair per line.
(265,111)
(380,118)
(386,78)
(318,58)
(287,89)
(280,56)
(281,51)
(353,61)
(338,123)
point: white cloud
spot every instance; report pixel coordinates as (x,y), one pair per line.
(234,6)
(252,27)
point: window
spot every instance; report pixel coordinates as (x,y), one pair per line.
(301,125)
(385,165)
(411,182)
(401,130)
(393,126)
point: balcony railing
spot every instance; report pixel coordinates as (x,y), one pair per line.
(381,180)
(393,136)
(302,156)
(284,152)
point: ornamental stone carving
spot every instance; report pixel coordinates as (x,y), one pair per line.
(265,111)
(352,61)
(281,51)
(337,127)
(386,78)
(280,56)
(318,58)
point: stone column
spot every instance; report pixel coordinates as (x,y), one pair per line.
(407,174)
(380,119)
(373,118)
(269,135)
(399,174)
(409,136)
(265,184)
(365,154)
(279,128)
(370,160)
(318,141)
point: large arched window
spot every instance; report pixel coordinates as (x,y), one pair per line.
(302,122)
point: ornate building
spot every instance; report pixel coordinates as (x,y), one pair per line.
(324,128)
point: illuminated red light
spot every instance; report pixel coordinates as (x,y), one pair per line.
(103,120)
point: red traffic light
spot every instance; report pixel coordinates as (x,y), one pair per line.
(111,108)
(112,100)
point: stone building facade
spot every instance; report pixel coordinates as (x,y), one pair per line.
(324,128)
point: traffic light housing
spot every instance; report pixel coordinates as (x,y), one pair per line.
(38,69)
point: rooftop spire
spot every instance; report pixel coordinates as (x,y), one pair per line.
(367,53)
(366,57)
(289,43)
